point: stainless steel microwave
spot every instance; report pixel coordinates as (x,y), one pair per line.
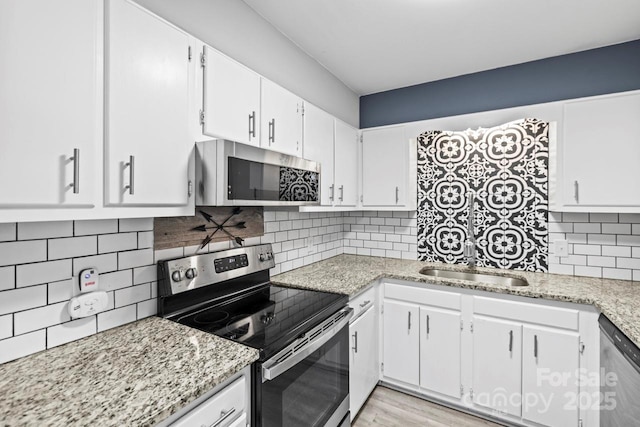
(233,174)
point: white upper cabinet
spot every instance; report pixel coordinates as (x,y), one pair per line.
(148,138)
(346,164)
(598,152)
(318,146)
(50,103)
(388,168)
(281,122)
(231,103)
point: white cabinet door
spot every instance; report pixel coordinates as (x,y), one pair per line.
(281,119)
(363,371)
(401,342)
(550,363)
(50,102)
(318,146)
(440,358)
(231,99)
(148,141)
(346,164)
(601,152)
(384,166)
(497,364)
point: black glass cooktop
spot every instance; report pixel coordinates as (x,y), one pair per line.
(267,318)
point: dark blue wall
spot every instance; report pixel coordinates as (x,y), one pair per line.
(609,69)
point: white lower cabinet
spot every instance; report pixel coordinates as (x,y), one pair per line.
(400,352)
(497,365)
(440,354)
(225,408)
(363,370)
(550,363)
(499,356)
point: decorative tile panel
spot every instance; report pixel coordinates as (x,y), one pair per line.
(505,169)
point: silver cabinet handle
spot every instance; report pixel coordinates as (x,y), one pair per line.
(131,166)
(223,417)
(355,341)
(535,346)
(510,341)
(428,329)
(364,304)
(576,194)
(76,171)
(252,125)
(341,192)
(409,321)
(332,191)
(272,131)
(397,195)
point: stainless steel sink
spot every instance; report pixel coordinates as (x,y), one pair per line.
(474,277)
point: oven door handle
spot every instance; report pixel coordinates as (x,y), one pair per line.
(272,368)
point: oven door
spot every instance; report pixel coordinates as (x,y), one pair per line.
(307,383)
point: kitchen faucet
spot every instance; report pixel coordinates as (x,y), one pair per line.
(470,243)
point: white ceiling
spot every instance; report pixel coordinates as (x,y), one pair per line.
(377,45)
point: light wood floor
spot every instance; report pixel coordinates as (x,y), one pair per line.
(386,407)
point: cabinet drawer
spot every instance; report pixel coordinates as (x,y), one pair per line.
(231,398)
(360,303)
(416,295)
(531,313)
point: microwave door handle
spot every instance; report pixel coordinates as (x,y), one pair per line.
(271,369)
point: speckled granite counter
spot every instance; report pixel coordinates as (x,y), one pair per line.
(619,300)
(134,375)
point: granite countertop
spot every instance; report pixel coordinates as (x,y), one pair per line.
(137,374)
(619,300)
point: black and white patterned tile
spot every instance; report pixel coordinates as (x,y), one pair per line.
(505,169)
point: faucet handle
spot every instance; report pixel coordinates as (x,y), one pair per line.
(469,248)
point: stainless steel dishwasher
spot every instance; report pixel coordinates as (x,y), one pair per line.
(620,377)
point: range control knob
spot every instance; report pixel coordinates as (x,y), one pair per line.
(176,276)
(262,257)
(191,273)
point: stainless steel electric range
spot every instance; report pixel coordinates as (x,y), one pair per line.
(302,376)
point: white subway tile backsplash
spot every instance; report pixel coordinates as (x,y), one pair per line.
(586,227)
(603,217)
(40,318)
(42,272)
(72,247)
(632,263)
(135,224)
(71,331)
(117,242)
(147,308)
(580,270)
(586,249)
(6,326)
(12,253)
(7,232)
(44,230)
(145,274)
(145,239)
(95,226)
(616,228)
(7,278)
(601,261)
(132,295)
(104,263)
(60,291)
(22,345)
(572,217)
(616,273)
(22,299)
(116,280)
(629,240)
(561,269)
(139,258)
(617,251)
(113,318)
